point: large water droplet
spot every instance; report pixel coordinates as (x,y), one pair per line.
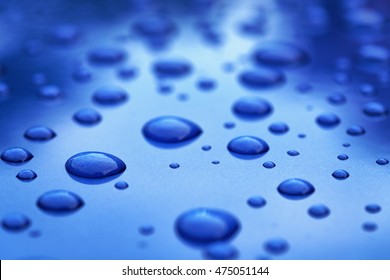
(261,78)
(382,161)
(296,189)
(203,226)
(375,109)
(15,222)
(106,55)
(172,68)
(278,128)
(340,174)
(60,202)
(318,211)
(247,147)
(276,245)
(39,133)
(170,130)
(94,165)
(221,251)
(252,107)
(328,120)
(26,175)
(110,95)
(16,155)
(373,208)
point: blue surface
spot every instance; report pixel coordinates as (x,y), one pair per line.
(56,54)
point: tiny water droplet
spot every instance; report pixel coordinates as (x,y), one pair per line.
(60,202)
(346,145)
(293,153)
(229,125)
(15,222)
(337,99)
(382,161)
(4,91)
(318,211)
(328,120)
(206,148)
(295,189)
(206,84)
(110,95)
(373,208)
(221,251)
(340,174)
(247,146)
(304,87)
(174,165)
(50,92)
(172,68)
(81,74)
(356,130)
(121,185)
(342,157)
(252,108)
(16,155)
(106,55)
(64,35)
(262,78)
(269,164)
(276,246)
(154,27)
(278,128)
(146,230)
(256,201)
(127,72)
(26,175)
(368,90)
(215,162)
(203,226)
(39,133)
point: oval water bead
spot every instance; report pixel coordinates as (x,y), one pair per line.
(340,174)
(337,99)
(269,164)
(221,251)
(368,90)
(146,230)
(295,189)
(121,185)
(382,161)
(229,125)
(342,157)
(174,165)
(375,109)
(356,130)
(154,26)
(172,68)
(215,162)
(16,155)
(110,95)
(15,222)
(87,117)
(94,165)
(318,211)
(39,133)
(262,78)
(370,226)
(278,54)
(373,208)
(374,55)
(106,55)
(60,202)
(50,92)
(252,107)
(127,72)
(276,246)
(293,153)
(26,175)
(4,91)
(256,201)
(81,74)
(206,84)
(64,35)
(328,120)
(278,128)
(204,226)
(248,146)
(206,148)
(171,130)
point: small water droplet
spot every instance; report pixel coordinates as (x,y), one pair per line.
(337,99)
(39,79)
(269,164)
(369,226)
(229,125)
(4,91)
(206,84)
(278,128)
(206,148)
(247,147)
(156,27)
(375,109)
(127,72)
(328,120)
(203,226)
(215,162)
(87,117)
(295,189)
(346,145)
(106,55)
(16,155)
(64,35)
(293,153)
(110,95)
(276,246)
(252,108)
(35,233)
(342,157)
(301,135)
(261,78)
(50,92)
(26,175)
(60,202)
(171,130)
(368,90)
(304,88)
(172,68)
(373,208)
(373,55)
(39,133)
(382,161)
(318,211)
(146,230)
(94,165)
(174,165)
(81,74)
(221,251)
(342,78)
(356,130)
(256,201)
(340,174)
(121,185)
(15,222)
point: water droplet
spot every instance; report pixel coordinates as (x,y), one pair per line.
(373,208)
(252,107)
(81,74)
(229,125)
(215,162)
(15,222)
(35,233)
(221,251)
(110,95)
(121,185)
(60,202)
(356,130)
(295,189)
(304,88)
(293,153)
(165,88)
(375,109)
(87,117)
(276,246)
(246,147)
(278,128)
(206,84)
(280,55)
(172,68)
(50,92)
(373,55)
(39,133)
(342,78)
(171,130)
(94,165)
(302,135)
(146,230)
(340,174)
(174,165)
(16,155)
(154,27)
(39,79)
(337,99)
(346,145)
(183,96)
(256,201)
(64,35)
(4,91)
(26,175)
(261,78)
(382,161)
(342,157)
(318,211)
(328,120)
(206,148)
(368,90)
(269,164)
(203,226)
(106,55)
(369,226)
(128,72)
